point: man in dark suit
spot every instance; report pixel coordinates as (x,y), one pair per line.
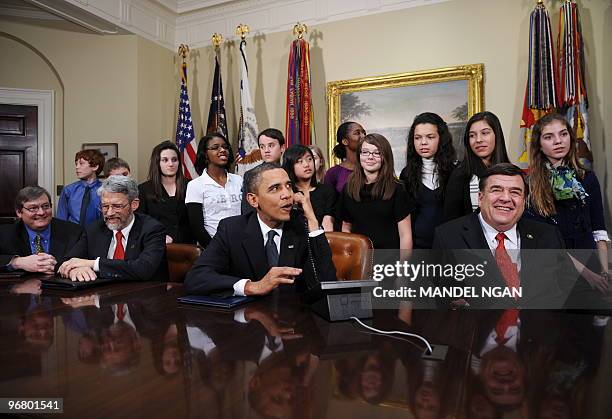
(255,253)
(124,245)
(37,242)
(516,253)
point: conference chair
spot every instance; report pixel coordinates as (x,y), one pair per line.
(352,255)
(181,258)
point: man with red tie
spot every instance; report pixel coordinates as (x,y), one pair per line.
(125,244)
(517,253)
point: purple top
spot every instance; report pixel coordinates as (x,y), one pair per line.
(337,177)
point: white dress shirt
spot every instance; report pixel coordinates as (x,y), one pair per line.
(200,340)
(512,243)
(126,315)
(510,339)
(113,244)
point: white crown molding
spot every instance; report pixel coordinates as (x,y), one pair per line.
(186,6)
(171,5)
(27,11)
(268,16)
(146,18)
(173,22)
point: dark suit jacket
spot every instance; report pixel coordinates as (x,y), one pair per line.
(546,276)
(145,255)
(65,236)
(457,202)
(235,341)
(237,252)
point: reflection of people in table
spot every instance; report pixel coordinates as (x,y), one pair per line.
(37,326)
(120,342)
(281,385)
(368,377)
(89,349)
(478,406)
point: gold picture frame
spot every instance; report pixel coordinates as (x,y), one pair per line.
(396,97)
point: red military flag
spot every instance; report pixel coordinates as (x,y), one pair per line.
(299,116)
(573,100)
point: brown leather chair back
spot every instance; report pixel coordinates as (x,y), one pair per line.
(351,254)
(180,259)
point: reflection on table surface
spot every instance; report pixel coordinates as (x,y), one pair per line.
(129,350)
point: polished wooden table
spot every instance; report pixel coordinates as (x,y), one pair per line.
(129,350)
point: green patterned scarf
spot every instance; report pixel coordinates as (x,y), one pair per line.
(565,184)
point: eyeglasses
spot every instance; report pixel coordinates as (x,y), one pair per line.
(216,147)
(115,207)
(35,208)
(375,154)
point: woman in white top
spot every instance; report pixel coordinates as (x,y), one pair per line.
(217,193)
(485,146)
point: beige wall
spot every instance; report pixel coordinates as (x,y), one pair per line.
(458,32)
(116,88)
(124,89)
(157,98)
(28,70)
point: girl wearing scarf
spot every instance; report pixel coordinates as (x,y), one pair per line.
(430,159)
(567,195)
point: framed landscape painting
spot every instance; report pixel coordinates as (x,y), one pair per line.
(388,104)
(108,150)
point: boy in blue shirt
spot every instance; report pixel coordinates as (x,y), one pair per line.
(79,203)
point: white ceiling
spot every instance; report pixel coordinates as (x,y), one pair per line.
(172,22)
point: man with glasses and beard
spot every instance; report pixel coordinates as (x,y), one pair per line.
(37,241)
(124,244)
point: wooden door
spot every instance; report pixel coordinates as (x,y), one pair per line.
(18,153)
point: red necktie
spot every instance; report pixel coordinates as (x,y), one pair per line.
(507,319)
(506,266)
(120,311)
(119,250)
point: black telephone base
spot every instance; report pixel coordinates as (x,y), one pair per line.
(338,307)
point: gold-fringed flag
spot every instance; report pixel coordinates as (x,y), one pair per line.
(185,136)
(573,101)
(248,149)
(541,90)
(216,114)
(299,117)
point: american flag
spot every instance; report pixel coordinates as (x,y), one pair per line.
(185,135)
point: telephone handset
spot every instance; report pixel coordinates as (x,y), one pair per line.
(297,216)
